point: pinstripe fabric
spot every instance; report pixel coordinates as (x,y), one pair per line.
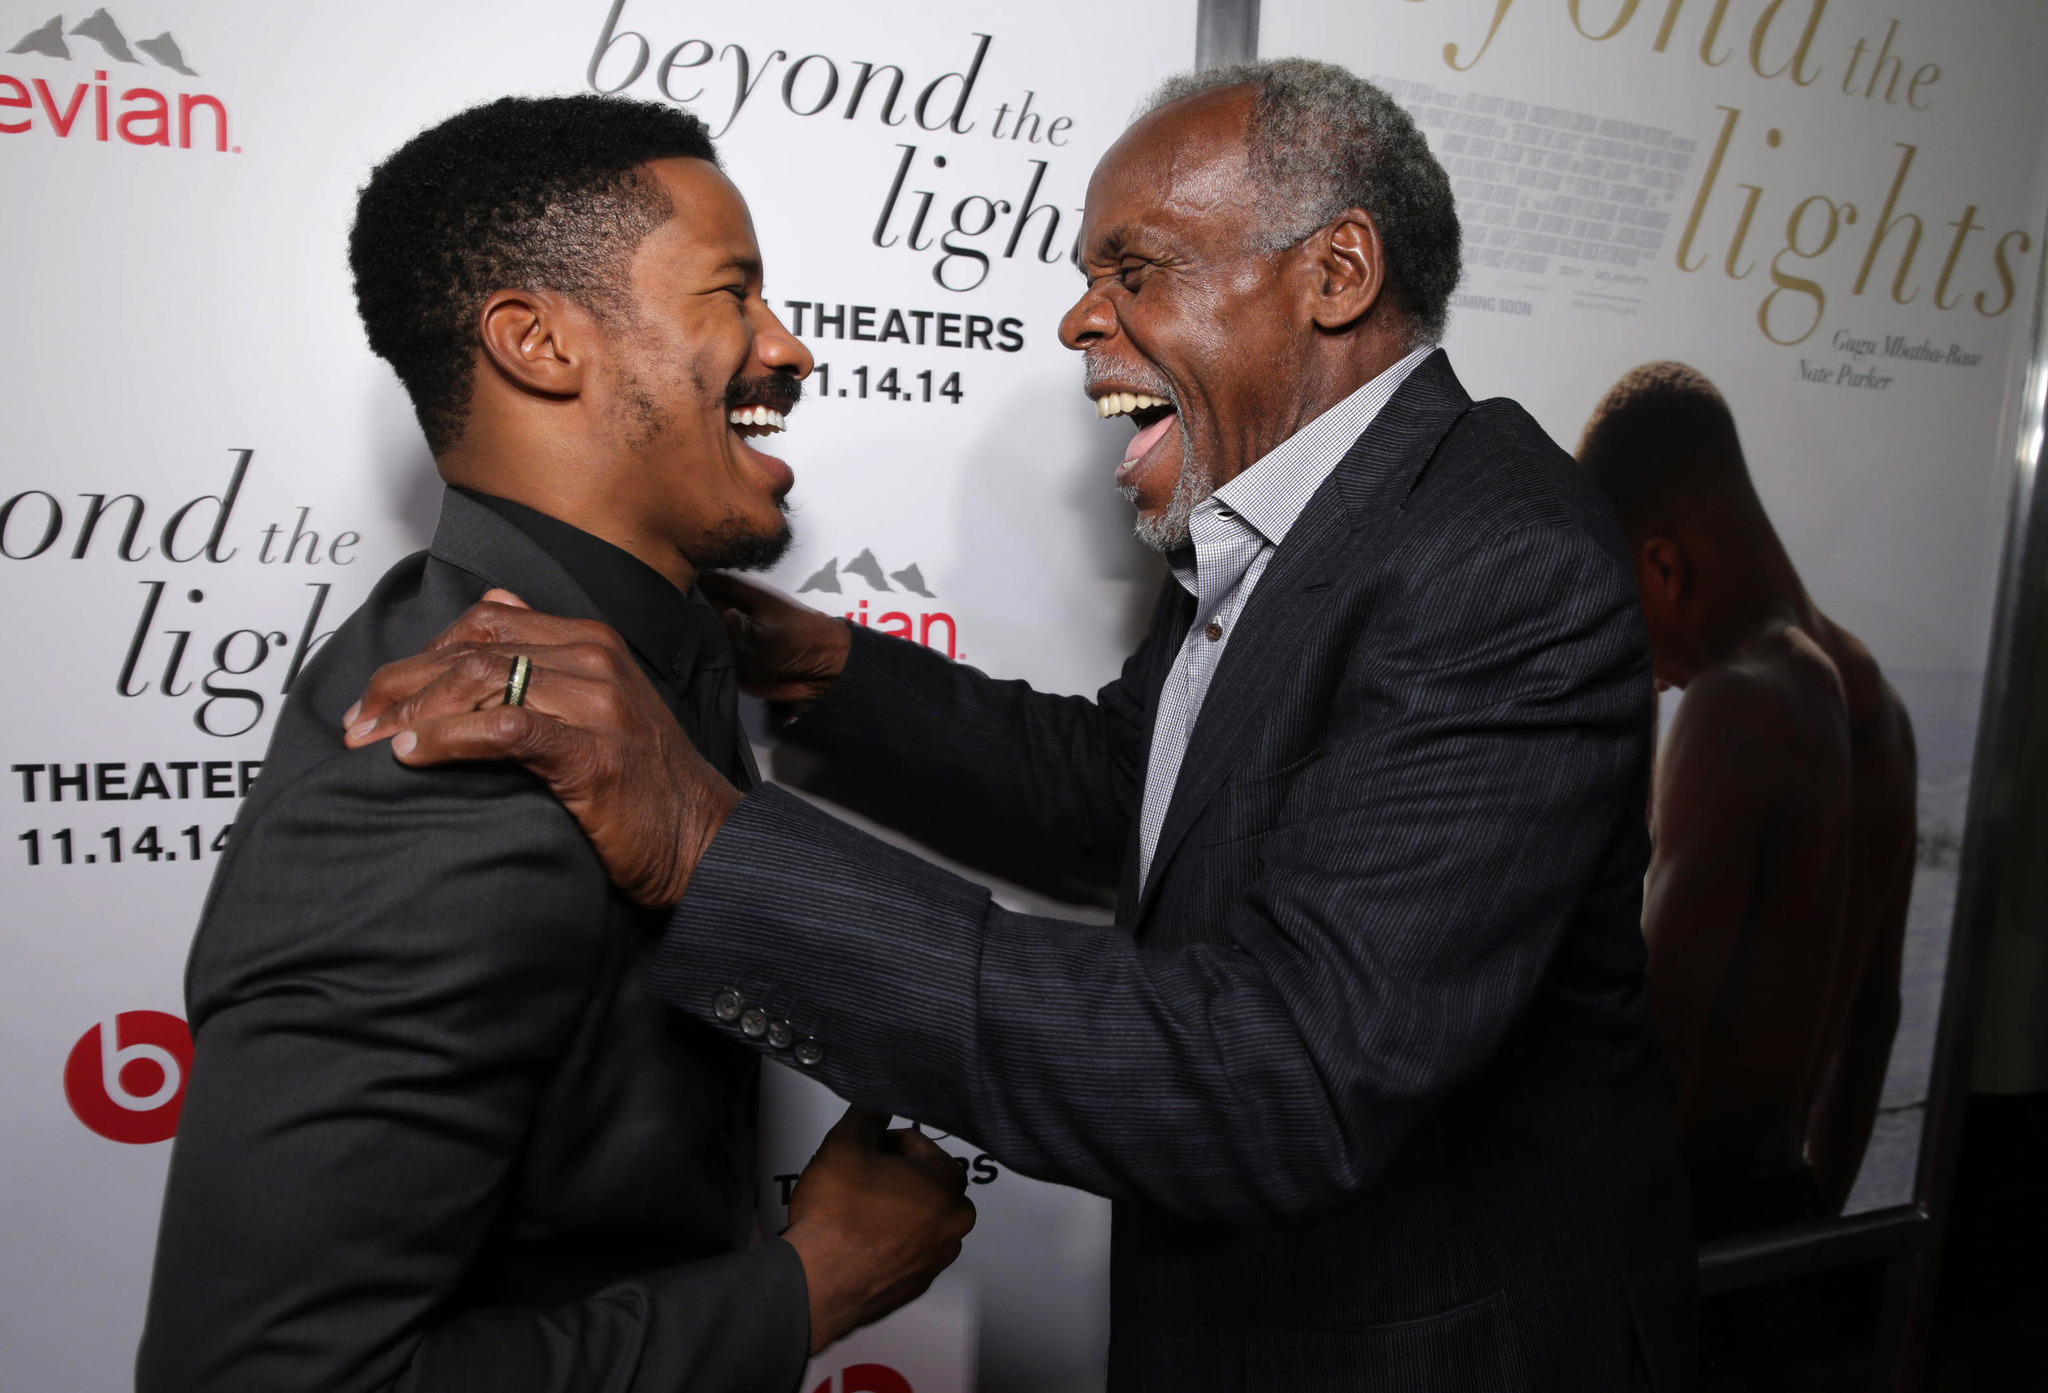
(1234,532)
(1367,1065)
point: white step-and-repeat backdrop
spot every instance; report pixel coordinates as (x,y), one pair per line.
(203,470)
(1833,210)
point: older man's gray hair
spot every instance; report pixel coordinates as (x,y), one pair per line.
(1323,141)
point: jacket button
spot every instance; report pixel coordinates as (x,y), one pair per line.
(809,1053)
(753,1022)
(727,1005)
(781,1035)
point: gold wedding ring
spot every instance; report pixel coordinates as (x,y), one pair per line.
(515,685)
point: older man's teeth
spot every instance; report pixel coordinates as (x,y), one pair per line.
(761,417)
(1124,403)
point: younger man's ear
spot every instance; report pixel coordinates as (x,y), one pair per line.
(537,340)
(1350,269)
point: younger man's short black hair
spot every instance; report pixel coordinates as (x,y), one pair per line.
(523,193)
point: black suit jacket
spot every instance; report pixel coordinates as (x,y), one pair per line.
(437,1134)
(1368,1065)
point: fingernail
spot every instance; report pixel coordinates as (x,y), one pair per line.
(402,743)
(357,732)
(348,717)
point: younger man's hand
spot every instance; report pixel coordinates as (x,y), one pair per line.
(875,1217)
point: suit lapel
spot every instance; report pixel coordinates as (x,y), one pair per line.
(1171,615)
(1351,508)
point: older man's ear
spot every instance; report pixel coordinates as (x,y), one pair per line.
(1347,268)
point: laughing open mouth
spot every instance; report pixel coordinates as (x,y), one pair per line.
(1153,416)
(753,421)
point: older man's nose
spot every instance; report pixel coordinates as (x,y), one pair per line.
(1090,319)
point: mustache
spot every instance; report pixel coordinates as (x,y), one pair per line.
(1130,376)
(775,390)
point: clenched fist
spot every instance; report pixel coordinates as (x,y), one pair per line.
(875,1217)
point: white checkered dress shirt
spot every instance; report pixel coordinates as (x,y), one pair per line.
(1235,533)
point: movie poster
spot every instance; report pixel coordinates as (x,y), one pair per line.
(1768,268)
(203,470)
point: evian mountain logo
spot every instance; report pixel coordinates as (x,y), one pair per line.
(923,627)
(147,116)
(99,26)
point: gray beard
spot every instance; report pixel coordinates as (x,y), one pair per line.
(1169,531)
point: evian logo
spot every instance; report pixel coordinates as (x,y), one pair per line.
(146,115)
(922,627)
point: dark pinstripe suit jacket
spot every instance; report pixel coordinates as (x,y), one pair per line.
(1368,1064)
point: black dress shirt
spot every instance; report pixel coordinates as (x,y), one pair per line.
(677,636)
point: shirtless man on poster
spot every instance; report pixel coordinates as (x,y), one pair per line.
(1783,810)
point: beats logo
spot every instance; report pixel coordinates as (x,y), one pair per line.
(865,1378)
(126,1076)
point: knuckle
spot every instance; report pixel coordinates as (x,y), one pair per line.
(504,725)
(595,658)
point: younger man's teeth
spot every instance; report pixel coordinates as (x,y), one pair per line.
(1124,403)
(756,416)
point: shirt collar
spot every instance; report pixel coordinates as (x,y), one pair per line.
(674,633)
(1271,494)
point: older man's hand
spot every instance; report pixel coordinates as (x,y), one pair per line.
(788,653)
(592,727)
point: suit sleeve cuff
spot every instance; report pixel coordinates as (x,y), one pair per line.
(821,946)
(786,1304)
(761,1342)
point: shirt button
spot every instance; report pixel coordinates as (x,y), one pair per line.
(781,1035)
(727,1005)
(809,1053)
(753,1022)
(1214,632)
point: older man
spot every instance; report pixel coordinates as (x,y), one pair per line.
(1367,1063)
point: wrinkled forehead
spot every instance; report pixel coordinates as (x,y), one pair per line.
(1184,166)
